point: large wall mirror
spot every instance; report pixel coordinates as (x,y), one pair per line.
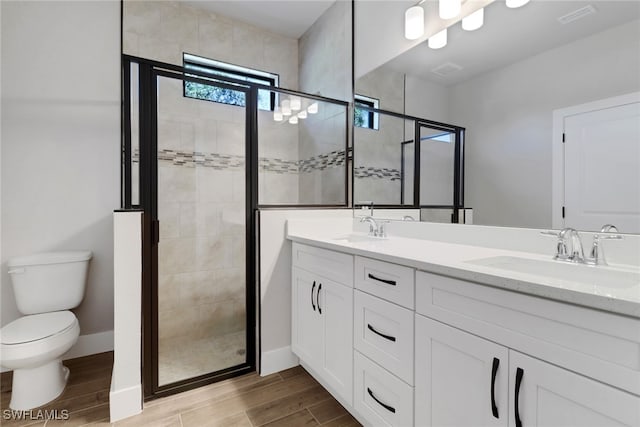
(527,76)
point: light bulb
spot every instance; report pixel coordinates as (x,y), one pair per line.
(295,103)
(449,8)
(473,21)
(302,114)
(286,107)
(438,40)
(414,23)
(293,120)
(277,115)
(313,108)
(516,3)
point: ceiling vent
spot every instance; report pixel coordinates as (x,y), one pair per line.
(577,14)
(446,69)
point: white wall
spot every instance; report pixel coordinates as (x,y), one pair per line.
(275,284)
(60,141)
(508,116)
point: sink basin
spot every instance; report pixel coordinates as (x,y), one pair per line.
(357,238)
(591,275)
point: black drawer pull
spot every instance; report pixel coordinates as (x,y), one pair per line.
(388,282)
(318,298)
(494,372)
(313,289)
(519,374)
(389,337)
(387,407)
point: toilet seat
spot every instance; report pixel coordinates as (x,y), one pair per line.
(36,327)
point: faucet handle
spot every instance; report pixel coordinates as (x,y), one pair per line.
(597,252)
(562,252)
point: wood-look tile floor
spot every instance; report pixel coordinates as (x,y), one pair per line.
(291,398)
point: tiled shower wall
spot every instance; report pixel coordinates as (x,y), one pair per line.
(325,69)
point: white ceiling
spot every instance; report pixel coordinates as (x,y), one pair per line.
(510,35)
(289,18)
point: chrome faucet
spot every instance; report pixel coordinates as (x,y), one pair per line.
(376,228)
(577,252)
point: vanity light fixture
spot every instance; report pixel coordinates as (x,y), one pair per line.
(438,40)
(313,108)
(516,3)
(302,114)
(474,21)
(414,22)
(293,120)
(449,9)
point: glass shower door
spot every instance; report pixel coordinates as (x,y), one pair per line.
(202,240)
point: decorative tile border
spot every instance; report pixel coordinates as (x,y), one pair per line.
(373,172)
(321,162)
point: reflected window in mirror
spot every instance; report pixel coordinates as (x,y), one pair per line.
(266,99)
(364,118)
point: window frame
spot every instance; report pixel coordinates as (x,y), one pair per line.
(369,102)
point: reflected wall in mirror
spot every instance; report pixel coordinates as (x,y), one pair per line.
(503,83)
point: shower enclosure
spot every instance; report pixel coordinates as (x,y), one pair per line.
(199,171)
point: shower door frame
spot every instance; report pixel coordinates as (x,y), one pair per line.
(149,73)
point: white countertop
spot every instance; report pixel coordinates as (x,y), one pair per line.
(453,260)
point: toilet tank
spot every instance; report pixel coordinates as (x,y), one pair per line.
(49,281)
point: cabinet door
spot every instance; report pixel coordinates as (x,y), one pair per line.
(545,395)
(335,303)
(461,380)
(306,321)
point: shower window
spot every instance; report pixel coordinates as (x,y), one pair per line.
(266,100)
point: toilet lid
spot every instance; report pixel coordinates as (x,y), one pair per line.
(36,327)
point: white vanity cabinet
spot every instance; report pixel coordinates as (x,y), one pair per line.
(322,316)
(413,348)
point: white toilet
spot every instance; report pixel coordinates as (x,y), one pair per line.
(46,287)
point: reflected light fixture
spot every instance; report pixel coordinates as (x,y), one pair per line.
(438,40)
(313,108)
(449,9)
(302,114)
(293,120)
(516,3)
(414,23)
(277,115)
(295,103)
(474,21)
(286,107)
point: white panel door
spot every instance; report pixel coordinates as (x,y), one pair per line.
(544,395)
(602,169)
(306,322)
(335,305)
(461,380)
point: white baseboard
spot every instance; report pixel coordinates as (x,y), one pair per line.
(87,345)
(125,403)
(277,360)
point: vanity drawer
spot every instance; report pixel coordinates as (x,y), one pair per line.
(385,280)
(384,332)
(335,266)
(380,397)
(601,345)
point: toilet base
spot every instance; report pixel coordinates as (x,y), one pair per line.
(38,386)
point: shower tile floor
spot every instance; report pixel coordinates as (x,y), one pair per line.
(181,358)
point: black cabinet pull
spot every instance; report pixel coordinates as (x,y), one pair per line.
(494,372)
(389,337)
(387,407)
(519,373)
(318,298)
(388,282)
(312,289)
